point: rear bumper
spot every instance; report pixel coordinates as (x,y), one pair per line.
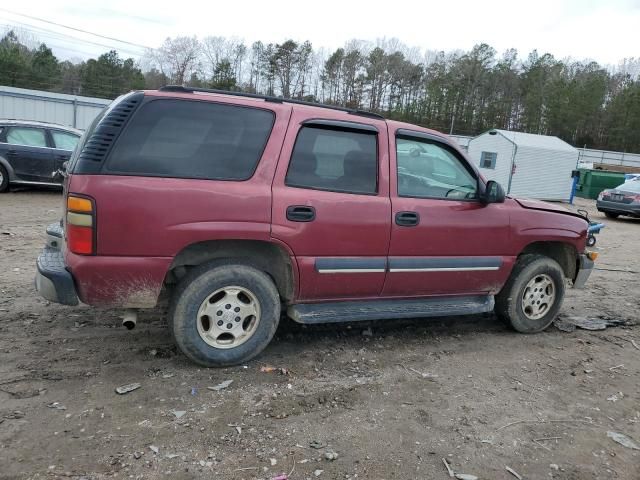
(585,267)
(126,282)
(53,280)
(617,207)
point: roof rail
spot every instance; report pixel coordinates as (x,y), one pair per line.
(267,98)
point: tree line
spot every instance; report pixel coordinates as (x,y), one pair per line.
(464,92)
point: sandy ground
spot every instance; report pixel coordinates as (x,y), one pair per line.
(489,398)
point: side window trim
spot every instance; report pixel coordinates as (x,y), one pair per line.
(406,134)
(340,125)
(336,126)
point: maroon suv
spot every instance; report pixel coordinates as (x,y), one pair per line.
(240,206)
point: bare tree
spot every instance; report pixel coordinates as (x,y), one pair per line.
(178,58)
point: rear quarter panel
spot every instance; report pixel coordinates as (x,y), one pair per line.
(143,222)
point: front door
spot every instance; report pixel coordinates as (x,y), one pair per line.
(443,240)
(29,154)
(63,144)
(331,204)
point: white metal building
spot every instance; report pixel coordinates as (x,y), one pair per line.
(69,110)
(461,140)
(526,165)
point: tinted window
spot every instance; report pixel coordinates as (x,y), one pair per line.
(335,160)
(31,137)
(430,170)
(187,139)
(65,141)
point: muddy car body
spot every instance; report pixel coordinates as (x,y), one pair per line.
(239,207)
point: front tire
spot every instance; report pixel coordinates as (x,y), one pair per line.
(611,215)
(532,297)
(223,315)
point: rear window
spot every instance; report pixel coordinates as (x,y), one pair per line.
(190,139)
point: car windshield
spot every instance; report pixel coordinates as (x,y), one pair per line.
(630,186)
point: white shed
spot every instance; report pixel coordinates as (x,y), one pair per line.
(525,164)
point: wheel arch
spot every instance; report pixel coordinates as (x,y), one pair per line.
(269,257)
(5,163)
(564,253)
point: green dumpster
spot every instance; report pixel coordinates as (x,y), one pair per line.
(592,182)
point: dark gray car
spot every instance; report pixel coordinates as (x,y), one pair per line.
(30,152)
(622,200)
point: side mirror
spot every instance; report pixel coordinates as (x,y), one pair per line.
(493,193)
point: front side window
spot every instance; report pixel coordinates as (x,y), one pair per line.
(430,170)
(334,160)
(191,139)
(29,137)
(63,140)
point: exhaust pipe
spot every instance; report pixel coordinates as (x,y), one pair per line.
(130,319)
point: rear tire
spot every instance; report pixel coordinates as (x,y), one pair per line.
(4,179)
(222,315)
(611,215)
(532,297)
(591,241)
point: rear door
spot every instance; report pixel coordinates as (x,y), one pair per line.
(443,240)
(63,144)
(28,153)
(331,203)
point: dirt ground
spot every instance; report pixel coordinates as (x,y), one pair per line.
(391,398)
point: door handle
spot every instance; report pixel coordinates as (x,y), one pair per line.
(301,213)
(62,157)
(407,219)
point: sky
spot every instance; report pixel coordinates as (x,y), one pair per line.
(602,30)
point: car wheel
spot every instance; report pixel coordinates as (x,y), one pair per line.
(4,179)
(222,315)
(611,215)
(591,241)
(532,297)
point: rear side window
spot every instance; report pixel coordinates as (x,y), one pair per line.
(63,140)
(190,139)
(335,160)
(30,137)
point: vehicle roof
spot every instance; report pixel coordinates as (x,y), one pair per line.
(35,123)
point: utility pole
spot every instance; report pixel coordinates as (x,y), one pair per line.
(453,118)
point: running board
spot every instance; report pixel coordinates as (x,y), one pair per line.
(388,309)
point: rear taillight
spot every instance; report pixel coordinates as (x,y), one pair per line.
(635,198)
(81,223)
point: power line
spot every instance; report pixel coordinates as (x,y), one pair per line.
(45,32)
(56,47)
(75,29)
(52,35)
